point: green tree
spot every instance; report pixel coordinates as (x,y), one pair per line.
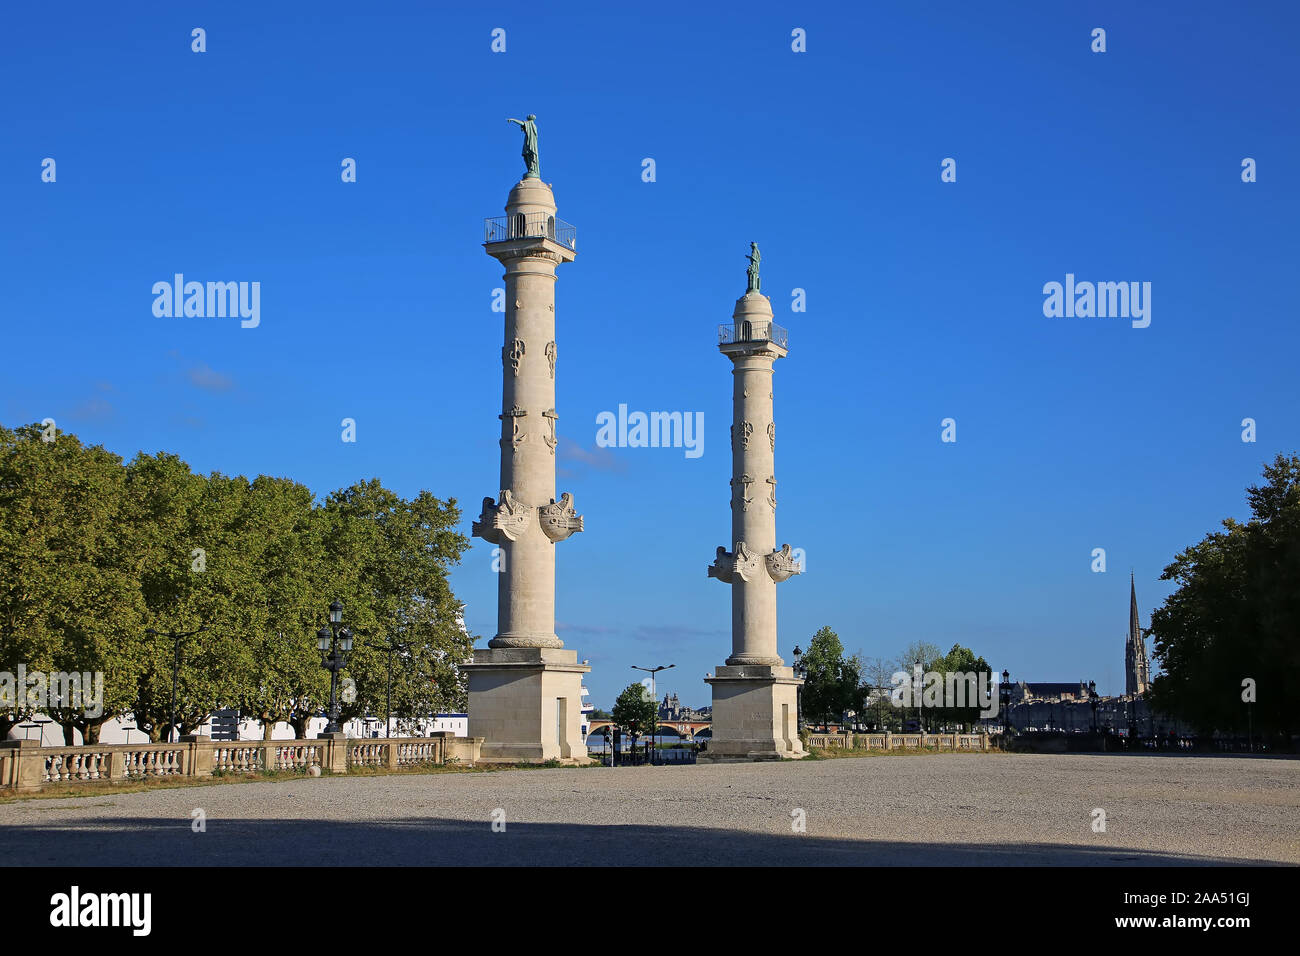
(1235,616)
(68,599)
(831,686)
(634,711)
(387,558)
(962,660)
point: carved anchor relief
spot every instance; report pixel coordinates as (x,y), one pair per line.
(551,353)
(551,417)
(744,481)
(771,492)
(517,434)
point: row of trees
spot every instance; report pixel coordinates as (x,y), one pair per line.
(94,552)
(836,686)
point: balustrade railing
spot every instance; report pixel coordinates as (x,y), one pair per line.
(532,225)
(750,331)
(892,741)
(25,765)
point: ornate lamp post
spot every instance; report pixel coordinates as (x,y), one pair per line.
(1094,700)
(335,644)
(801,672)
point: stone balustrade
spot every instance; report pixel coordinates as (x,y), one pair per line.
(26,766)
(892,741)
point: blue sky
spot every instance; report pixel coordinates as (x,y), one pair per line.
(924,299)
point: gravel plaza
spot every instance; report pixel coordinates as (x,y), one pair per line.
(942,810)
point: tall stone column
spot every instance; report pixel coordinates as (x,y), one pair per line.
(525,688)
(754,693)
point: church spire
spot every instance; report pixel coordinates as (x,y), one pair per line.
(1134,628)
(1137,672)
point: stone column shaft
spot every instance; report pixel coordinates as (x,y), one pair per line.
(526,521)
(753,508)
(526,585)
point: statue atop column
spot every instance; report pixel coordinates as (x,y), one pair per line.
(752,272)
(530,145)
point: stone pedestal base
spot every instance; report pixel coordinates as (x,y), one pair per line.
(754,714)
(525,703)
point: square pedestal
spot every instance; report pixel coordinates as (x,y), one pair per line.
(525,702)
(754,714)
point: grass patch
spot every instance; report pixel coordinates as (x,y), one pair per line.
(100,788)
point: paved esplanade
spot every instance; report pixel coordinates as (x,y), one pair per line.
(525,688)
(754,693)
(940,810)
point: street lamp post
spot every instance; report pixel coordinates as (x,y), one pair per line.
(800,671)
(335,644)
(917,694)
(1094,700)
(1004,691)
(654,717)
(388,698)
(177,640)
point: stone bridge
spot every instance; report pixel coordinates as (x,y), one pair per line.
(687,729)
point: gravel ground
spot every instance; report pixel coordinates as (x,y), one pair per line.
(1000,809)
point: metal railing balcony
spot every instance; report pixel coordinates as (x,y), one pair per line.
(753,332)
(533,225)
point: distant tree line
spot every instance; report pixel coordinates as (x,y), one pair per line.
(837,686)
(94,552)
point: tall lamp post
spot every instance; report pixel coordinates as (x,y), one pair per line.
(654,717)
(1004,692)
(1094,700)
(801,672)
(388,699)
(177,640)
(920,729)
(335,644)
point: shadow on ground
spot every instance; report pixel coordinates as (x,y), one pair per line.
(439,842)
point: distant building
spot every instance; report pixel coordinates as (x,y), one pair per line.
(670,708)
(1024,692)
(1069,706)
